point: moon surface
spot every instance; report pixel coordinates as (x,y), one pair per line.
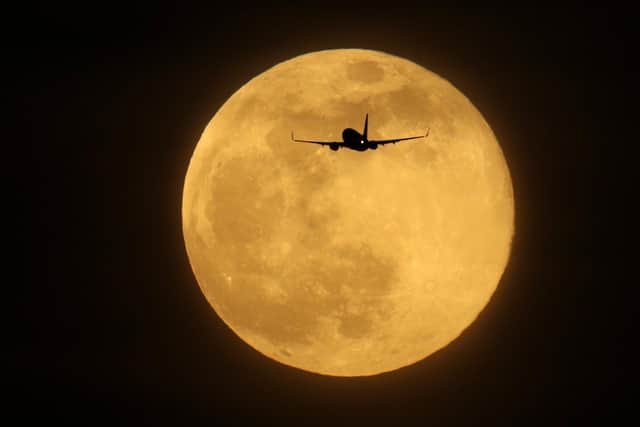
(347,263)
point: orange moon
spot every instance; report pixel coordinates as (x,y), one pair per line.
(347,263)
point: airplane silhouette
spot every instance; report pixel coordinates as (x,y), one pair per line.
(354,140)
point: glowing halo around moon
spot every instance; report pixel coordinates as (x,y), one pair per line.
(347,263)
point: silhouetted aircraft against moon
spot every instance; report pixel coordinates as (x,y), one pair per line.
(354,140)
(385,239)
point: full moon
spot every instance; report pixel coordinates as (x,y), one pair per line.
(347,263)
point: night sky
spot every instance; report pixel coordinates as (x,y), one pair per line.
(111,324)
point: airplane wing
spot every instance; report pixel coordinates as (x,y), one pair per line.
(393,141)
(317,142)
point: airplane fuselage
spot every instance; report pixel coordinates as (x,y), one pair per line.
(355,141)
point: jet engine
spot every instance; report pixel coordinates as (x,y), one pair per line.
(334,147)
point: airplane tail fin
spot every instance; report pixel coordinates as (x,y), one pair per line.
(366,125)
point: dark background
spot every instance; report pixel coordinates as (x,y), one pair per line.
(111,323)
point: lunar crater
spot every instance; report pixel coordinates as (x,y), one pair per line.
(365,71)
